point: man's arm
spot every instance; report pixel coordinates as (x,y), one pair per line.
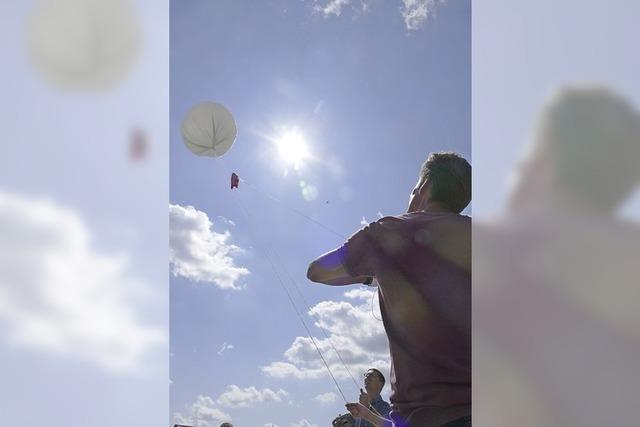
(330,269)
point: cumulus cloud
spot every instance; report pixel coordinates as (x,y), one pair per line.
(236,397)
(61,295)
(326,398)
(198,253)
(303,423)
(416,12)
(362,294)
(352,330)
(202,413)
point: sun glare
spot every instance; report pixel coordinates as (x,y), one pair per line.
(292,148)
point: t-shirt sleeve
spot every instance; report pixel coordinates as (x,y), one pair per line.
(359,254)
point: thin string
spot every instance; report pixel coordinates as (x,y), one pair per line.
(318,323)
(295,308)
(275,199)
(295,285)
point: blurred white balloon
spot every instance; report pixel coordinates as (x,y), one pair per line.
(83,44)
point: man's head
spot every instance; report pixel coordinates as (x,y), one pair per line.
(582,156)
(373,382)
(444,181)
(226,425)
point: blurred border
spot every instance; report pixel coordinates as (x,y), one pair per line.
(556,141)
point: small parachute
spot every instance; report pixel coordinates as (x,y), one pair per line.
(209,129)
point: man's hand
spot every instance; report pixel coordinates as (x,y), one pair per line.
(358,410)
(364,398)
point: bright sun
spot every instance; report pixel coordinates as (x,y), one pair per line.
(292,148)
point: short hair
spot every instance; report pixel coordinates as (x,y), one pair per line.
(379,375)
(450,177)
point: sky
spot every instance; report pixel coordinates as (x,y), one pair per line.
(370,88)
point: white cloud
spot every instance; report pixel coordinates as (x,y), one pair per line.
(361,294)
(236,397)
(357,336)
(198,253)
(61,295)
(270,425)
(225,347)
(202,413)
(415,12)
(326,398)
(287,370)
(331,7)
(303,423)
(227,221)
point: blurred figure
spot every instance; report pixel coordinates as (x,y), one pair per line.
(226,425)
(373,384)
(138,145)
(422,263)
(555,297)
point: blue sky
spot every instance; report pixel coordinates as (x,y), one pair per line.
(372,98)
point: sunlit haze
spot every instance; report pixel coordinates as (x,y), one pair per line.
(292,148)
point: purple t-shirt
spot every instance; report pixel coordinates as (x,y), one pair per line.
(422,262)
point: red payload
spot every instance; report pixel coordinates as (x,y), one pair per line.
(235,180)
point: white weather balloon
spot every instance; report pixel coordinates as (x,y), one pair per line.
(209,129)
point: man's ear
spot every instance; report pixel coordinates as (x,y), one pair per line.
(425,189)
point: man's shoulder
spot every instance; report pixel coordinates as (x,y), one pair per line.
(424,217)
